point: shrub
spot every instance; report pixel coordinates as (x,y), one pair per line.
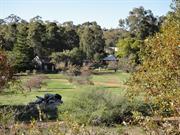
(112,65)
(6,73)
(86,70)
(83,78)
(35,82)
(99,107)
(73,70)
(67,127)
(61,66)
(34,71)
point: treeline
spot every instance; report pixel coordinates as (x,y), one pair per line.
(25,40)
(74,43)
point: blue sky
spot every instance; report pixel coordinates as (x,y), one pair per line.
(105,12)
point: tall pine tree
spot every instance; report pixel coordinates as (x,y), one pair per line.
(22,51)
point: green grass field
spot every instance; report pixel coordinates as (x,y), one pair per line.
(58,83)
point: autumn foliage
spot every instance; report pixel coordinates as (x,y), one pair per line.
(159,76)
(5,69)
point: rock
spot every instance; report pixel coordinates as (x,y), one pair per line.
(43,108)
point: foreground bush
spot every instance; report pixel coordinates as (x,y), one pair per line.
(7,117)
(159,76)
(8,126)
(58,128)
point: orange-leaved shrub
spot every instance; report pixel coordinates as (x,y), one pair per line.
(158,78)
(6,73)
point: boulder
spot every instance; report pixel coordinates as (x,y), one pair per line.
(43,108)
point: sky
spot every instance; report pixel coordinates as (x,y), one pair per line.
(105,12)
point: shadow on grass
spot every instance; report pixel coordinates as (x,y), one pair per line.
(27,113)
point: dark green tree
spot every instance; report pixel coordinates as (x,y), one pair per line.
(111,36)
(37,37)
(54,38)
(70,36)
(71,39)
(74,56)
(91,39)
(140,22)
(23,53)
(8,33)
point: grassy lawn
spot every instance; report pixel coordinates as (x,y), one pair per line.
(57,83)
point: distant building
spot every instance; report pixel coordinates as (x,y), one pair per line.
(111,50)
(111,62)
(110,58)
(43,64)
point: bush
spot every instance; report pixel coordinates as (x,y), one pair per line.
(99,107)
(6,73)
(79,76)
(34,71)
(73,70)
(35,82)
(67,127)
(61,66)
(112,65)
(86,70)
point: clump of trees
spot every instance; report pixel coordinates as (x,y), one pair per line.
(91,40)
(130,48)
(140,24)
(72,43)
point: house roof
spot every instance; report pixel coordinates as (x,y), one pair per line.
(41,61)
(110,58)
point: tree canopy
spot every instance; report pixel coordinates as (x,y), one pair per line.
(141,23)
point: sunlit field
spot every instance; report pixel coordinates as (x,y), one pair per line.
(58,83)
